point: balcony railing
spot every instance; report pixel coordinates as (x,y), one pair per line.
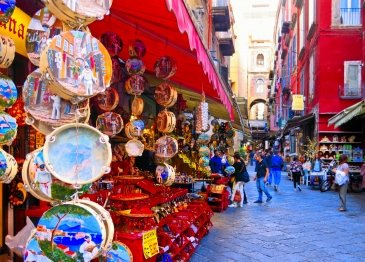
(221,15)
(348,92)
(350,16)
(226,43)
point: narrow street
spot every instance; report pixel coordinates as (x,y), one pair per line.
(294,226)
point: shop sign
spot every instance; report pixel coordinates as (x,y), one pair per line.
(298,103)
(16,28)
(150,244)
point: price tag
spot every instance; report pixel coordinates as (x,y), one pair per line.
(150,244)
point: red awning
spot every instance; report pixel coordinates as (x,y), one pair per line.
(161,24)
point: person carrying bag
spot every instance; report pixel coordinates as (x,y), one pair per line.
(240,176)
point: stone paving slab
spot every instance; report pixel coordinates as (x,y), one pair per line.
(294,226)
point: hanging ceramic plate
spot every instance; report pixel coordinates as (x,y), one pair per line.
(4,166)
(137,48)
(43,105)
(134,147)
(3,48)
(108,100)
(77,154)
(166,121)
(203,139)
(135,85)
(119,252)
(43,26)
(112,42)
(166,147)
(135,66)
(165,95)
(204,151)
(8,92)
(165,67)
(118,73)
(204,161)
(8,128)
(7,8)
(71,230)
(13,169)
(79,12)
(165,174)
(109,123)
(10,52)
(137,106)
(78,64)
(32,250)
(131,132)
(45,184)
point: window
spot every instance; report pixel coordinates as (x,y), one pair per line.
(95,45)
(71,49)
(65,45)
(260,86)
(350,12)
(260,59)
(58,41)
(311,13)
(301,30)
(352,79)
(311,77)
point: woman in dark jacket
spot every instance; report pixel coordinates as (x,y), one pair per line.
(240,168)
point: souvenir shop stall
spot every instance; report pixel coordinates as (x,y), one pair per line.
(102,147)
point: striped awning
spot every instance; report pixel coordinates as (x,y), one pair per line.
(347,114)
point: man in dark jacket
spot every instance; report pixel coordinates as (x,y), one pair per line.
(262,173)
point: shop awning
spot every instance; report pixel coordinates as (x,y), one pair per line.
(347,114)
(166,28)
(297,121)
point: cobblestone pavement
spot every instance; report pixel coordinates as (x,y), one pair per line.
(294,226)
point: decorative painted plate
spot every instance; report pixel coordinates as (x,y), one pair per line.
(134,147)
(71,232)
(112,42)
(43,26)
(118,73)
(8,92)
(166,121)
(165,67)
(7,52)
(137,48)
(166,147)
(4,166)
(135,66)
(165,95)
(165,174)
(11,161)
(78,64)
(204,161)
(45,184)
(43,105)
(7,8)
(77,154)
(8,128)
(137,106)
(79,12)
(131,132)
(33,252)
(108,100)
(109,123)
(119,252)
(135,85)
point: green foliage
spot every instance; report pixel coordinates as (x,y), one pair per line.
(56,255)
(10,135)
(60,210)
(310,149)
(64,193)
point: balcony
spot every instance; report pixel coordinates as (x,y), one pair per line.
(350,16)
(226,43)
(348,92)
(221,15)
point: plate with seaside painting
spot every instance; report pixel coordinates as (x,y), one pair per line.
(71,232)
(119,252)
(8,92)
(77,154)
(8,128)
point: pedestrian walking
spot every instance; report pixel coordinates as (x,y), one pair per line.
(343,167)
(262,173)
(296,171)
(267,159)
(240,168)
(277,163)
(252,157)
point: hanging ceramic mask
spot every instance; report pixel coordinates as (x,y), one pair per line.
(119,252)
(43,26)
(8,92)
(7,8)
(112,42)
(165,67)
(137,48)
(135,66)
(109,123)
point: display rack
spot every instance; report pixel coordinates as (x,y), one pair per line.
(218,197)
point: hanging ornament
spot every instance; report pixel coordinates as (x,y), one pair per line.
(108,100)
(7,8)
(137,106)
(7,51)
(8,128)
(166,121)
(134,147)
(112,42)
(165,174)
(165,95)
(109,123)
(165,67)
(135,85)
(8,92)
(202,116)
(135,66)
(137,48)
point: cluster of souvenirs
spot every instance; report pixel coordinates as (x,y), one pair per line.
(100,204)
